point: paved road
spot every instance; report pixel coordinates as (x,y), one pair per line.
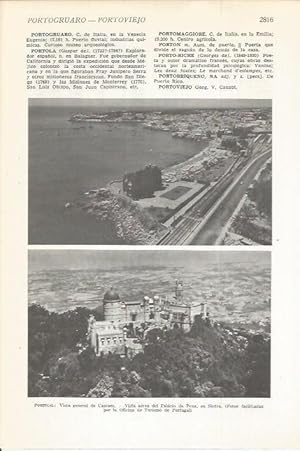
(192,215)
(210,232)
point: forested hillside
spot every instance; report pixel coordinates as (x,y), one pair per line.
(210,361)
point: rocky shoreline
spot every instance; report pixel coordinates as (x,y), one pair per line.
(132,223)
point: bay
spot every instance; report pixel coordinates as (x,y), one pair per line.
(68,158)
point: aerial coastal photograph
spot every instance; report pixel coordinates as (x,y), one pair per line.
(149,323)
(150,171)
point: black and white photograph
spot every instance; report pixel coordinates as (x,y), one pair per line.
(150,171)
(149,323)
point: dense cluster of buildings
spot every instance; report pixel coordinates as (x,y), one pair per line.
(196,124)
(215,123)
(127,322)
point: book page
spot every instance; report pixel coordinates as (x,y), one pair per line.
(149,224)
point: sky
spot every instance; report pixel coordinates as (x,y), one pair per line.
(114,259)
(154,103)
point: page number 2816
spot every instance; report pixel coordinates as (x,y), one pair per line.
(266,19)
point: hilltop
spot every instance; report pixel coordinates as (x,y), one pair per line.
(209,361)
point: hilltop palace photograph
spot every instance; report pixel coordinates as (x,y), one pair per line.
(149,323)
(150,171)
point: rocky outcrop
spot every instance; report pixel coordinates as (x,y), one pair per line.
(132,224)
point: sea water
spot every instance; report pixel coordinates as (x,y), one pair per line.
(68,158)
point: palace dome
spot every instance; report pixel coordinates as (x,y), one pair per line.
(111,295)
